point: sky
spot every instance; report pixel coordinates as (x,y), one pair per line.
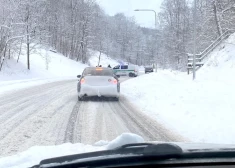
(144,19)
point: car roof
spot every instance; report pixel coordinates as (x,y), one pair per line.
(94,68)
(101,70)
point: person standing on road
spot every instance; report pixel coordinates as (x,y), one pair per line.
(109,66)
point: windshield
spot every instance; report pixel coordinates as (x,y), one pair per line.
(86,75)
(149,66)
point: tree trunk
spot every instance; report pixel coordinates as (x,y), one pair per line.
(28,42)
(78,55)
(1,64)
(28,62)
(82,52)
(9,53)
(4,56)
(217,18)
(99,59)
(100,52)
(20,50)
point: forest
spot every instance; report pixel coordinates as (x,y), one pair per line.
(72,27)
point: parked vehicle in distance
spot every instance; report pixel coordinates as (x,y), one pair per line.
(98,81)
(126,70)
(148,68)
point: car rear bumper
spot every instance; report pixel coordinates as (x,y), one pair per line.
(106,91)
(127,73)
(149,70)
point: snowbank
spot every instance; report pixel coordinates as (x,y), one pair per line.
(220,64)
(104,59)
(126,138)
(37,153)
(201,110)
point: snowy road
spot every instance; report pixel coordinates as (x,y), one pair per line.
(50,114)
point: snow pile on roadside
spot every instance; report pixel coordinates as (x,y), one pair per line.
(202,110)
(44,64)
(125,138)
(37,153)
(104,59)
(141,69)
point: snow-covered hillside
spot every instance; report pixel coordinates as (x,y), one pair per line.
(44,64)
(201,110)
(220,64)
(104,59)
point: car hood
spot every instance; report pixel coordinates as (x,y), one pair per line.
(154,149)
(187,146)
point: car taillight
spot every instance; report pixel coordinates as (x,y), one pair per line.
(114,81)
(82,81)
(99,69)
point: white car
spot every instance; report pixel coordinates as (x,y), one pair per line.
(98,81)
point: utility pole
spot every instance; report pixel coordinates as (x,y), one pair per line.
(155,14)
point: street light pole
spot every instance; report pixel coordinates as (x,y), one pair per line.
(194,39)
(149,10)
(155,14)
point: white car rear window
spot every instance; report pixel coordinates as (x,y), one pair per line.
(98,72)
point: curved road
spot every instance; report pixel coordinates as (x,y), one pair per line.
(50,114)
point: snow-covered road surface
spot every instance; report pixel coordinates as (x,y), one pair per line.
(50,114)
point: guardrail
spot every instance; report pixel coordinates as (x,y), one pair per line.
(199,57)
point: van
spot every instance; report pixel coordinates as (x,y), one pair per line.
(126,70)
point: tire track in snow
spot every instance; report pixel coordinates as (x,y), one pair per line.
(100,119)
(29,126)
(53,125)
(15,117)
(92,121)
(50,114)
(70,130)
(11,96)
(143,125)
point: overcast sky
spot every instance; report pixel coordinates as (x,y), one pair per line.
(145,19)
